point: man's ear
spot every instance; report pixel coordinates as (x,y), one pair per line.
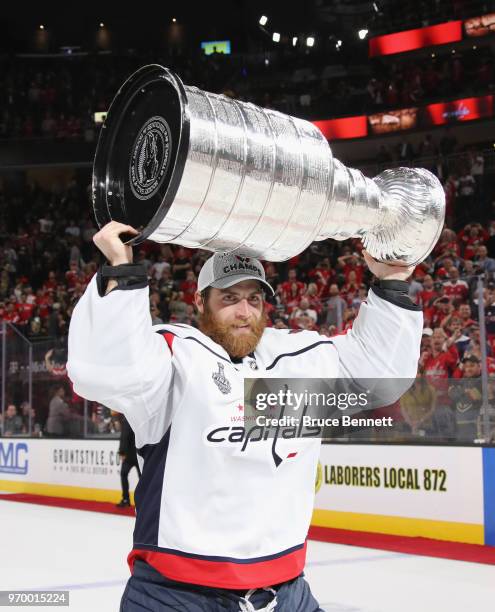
(198,302)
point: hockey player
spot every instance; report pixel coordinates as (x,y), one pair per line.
(221,522)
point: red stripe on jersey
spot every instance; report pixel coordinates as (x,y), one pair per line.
(223,574)
(169,339)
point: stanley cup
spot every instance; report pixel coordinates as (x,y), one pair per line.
(204,171)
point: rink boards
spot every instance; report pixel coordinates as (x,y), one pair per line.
(446,493)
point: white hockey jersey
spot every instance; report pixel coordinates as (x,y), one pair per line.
(210,508)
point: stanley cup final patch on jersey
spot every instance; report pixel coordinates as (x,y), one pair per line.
(221,380)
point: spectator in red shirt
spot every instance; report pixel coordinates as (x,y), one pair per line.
(447,245)
(439,362)
(428,294)
(290,300)
(43,302)
(189,286)
(442,307)
(465,315)
(24,310)
(352,263)
(453,325)
(454,287)
(71,276)
(445,267)
(471,237)
(51,283)
(322,276)
(287,288)
(10,314)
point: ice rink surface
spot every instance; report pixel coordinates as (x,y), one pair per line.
(85,553)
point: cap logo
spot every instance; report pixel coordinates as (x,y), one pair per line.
(243,259)
(235,267)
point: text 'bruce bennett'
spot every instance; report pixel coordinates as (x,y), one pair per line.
(308,421)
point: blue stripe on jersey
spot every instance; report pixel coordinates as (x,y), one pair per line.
(303,350)
(148,493)
(162,331)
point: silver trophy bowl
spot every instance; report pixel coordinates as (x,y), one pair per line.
(201,170)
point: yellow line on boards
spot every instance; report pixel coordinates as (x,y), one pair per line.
(398,525)
(84,493)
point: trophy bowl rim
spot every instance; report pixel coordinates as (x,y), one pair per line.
(126,93)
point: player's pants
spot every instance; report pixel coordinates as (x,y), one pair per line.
(148,590)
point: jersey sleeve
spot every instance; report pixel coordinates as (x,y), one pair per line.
(384,341)
(115,357)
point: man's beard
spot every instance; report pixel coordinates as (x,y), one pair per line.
(221,333)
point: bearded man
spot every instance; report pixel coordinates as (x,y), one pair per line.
(221,519)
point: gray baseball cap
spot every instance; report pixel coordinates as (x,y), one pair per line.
(223,270)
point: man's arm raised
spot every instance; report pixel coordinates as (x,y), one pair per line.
(114,355)
(385,339)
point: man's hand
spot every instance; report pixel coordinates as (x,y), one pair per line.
(109,242)
(385,271)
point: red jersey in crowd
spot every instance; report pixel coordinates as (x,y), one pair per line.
(420,271)
(442,365)
(471,239)
(426,296)
(71,277)
(447,247)
(435,316)
(11,316)
(357,268)
(189,288)
(438,369)
(288,294)
(456,288)
(44,302)
(24,311)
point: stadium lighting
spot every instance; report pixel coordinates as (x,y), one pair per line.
(276,37)
(294,41)
(102,25)
(174,20)
(338,44)
(362,34)
(310,41)
(42,27)
(263,20)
